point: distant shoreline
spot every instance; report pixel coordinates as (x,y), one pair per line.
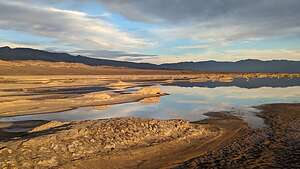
(27,95)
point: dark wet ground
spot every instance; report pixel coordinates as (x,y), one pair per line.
(276,146)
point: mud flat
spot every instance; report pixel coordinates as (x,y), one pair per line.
(38,105)
(23,95)
(276,146)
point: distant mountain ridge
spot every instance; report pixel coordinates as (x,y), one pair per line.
(9,54)
(249,65)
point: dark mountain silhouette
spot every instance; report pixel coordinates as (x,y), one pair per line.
(10,54)
(249,65)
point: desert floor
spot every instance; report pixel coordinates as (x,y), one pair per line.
(221,141)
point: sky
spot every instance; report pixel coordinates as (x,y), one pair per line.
(155,31)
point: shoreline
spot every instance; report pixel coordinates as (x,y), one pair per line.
(223,141)
(28,95)
(38,104)
(275,146)
(181,137)
(131,100)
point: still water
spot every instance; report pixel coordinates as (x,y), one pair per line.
(188,101)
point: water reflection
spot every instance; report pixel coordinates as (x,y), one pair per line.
(242,83)
(150,100)
(190,103)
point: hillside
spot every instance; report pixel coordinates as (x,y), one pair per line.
(250,65)
(11,54)
(36,67)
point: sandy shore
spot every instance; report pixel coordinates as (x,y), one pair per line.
(49,104)
(23,95)
(220,142)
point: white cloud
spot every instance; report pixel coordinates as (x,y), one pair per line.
(229,55)
(66,27)
(263,54)
(214,24)
(109,54)
(22,45)
(215,20)
(226,30)
(202,46)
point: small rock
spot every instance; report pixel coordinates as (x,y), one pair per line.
(71,148)
(150,91)
(110,146)
(6,149)
(52,162)
(9,151)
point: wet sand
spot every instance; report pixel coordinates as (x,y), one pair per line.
(276,146)
(23,95)
(51,105)
(222,141)
(40,94)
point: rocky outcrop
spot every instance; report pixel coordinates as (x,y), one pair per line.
(56,143)
(150,91)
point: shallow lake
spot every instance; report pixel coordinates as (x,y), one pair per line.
(191,101)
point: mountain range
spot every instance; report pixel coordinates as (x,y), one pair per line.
(249,65)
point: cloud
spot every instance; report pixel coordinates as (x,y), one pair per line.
(109,54)
(20,44)
(214,20)
(263,54)
(205,25)
(202,46)
(229,55)
(67,28)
